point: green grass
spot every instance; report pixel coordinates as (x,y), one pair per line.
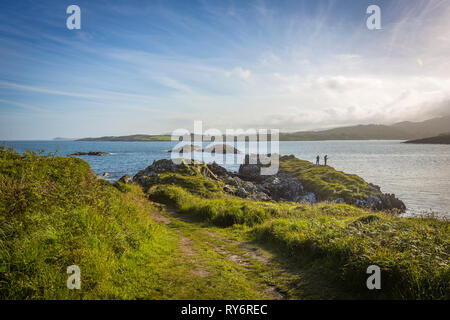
(196,183)
(224,212)
(326,182)
(54,213)
(412,253)
(339,241)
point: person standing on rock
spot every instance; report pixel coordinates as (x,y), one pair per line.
(325,159)
(317,160)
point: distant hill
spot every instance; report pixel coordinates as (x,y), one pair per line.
(135,137)
(399,131)
(359,132)
(440,139)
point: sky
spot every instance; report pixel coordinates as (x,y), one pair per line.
(151,67)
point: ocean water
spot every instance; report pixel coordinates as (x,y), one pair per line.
(418,174)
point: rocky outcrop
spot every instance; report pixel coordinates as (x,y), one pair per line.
(90,153)
(384,201)
(151,175)
(248,183)
(283,187)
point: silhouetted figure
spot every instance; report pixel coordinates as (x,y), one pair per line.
(317,160)
(325,159)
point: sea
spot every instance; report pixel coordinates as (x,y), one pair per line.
(418,174)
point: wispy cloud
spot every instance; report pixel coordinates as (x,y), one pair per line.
(153,67)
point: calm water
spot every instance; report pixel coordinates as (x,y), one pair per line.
(418,174)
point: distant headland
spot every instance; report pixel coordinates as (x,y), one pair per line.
(405,130)
(440,139)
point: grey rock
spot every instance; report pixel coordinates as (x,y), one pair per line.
(241,192)
(126,179)
(250,171)
(228,189)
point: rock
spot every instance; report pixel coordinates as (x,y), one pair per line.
(217,170)
(389,201)
(228,189)
(250,171)
(150,175)
(90,153)
(105,174)
(309,197)
(125,179)
(286,189)
(241,192)
(381,202)
(234,181)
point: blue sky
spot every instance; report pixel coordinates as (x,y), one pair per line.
(154,66)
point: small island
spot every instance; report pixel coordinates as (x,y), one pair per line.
(186,149)
(221,148)
(90,153)
(217,148)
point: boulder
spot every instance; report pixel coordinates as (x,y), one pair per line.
(241,192)
(218,170)
(125,179)
(250,171)
(286,189)
(228,189)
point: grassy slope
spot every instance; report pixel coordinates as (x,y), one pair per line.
(54,213)
(339,241)
(324,181)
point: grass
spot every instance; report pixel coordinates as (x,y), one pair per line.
(54,213)
(326,182)
(222,212)
(337,240)
(196,183)
(412,253)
